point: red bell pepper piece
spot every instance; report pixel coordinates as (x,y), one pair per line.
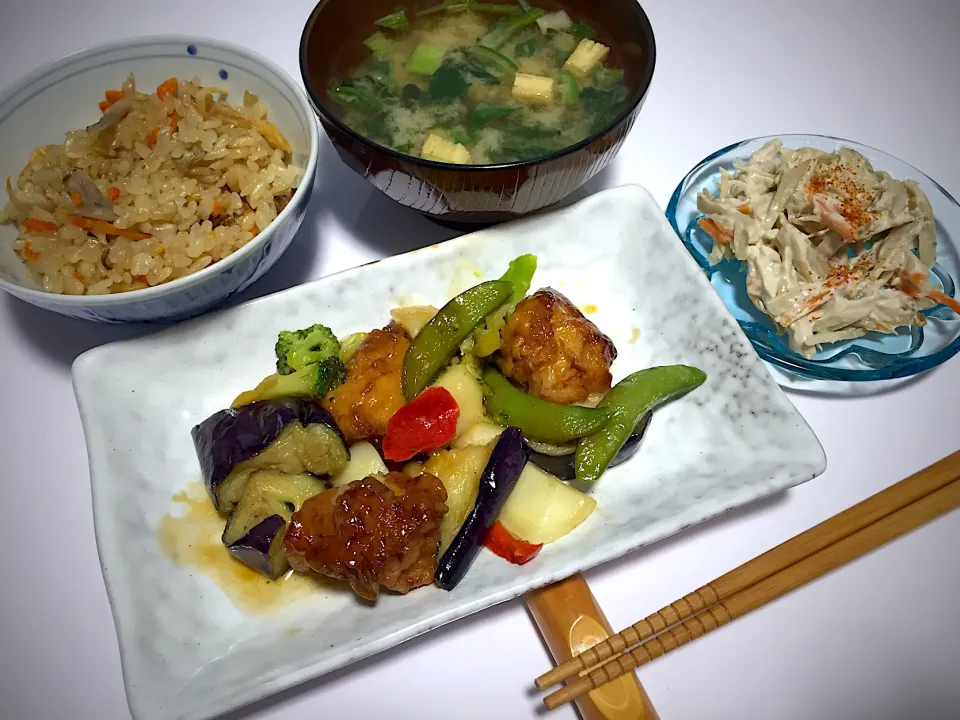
(511,548)
(426,423)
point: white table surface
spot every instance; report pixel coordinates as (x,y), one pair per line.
(877,639)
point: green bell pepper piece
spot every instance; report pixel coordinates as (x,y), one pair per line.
(538,419)
(628,401)
(439,339)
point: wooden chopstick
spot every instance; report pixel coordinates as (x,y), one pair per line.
(787,553)
(772,586)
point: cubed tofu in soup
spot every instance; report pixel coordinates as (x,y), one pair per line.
(533,88)
(588,56)
(438,149)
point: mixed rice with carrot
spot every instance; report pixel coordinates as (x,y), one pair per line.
(163,185)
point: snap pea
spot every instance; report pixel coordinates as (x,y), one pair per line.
(439,339)
(627,403)
(536,418)
(520,273)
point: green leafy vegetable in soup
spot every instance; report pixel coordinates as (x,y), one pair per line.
(479,83)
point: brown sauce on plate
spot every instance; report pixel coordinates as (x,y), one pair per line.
(190,537)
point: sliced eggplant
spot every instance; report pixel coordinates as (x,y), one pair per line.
(261,548)
(256,528)
(563,464)
(499,477)
(233,444)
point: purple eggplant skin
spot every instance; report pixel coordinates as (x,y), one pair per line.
(499,477)
(231,436)
(254,548)
(563,467)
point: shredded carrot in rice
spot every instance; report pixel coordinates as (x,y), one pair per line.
(102,226)
(76,199)
(174,122)
(104,105)
(113,193)
(78,277)
(113,95)
(29,253)
(152,138)
(39,225)
(167,87)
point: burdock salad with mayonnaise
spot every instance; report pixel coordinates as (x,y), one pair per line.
(833,248)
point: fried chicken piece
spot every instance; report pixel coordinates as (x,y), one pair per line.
(372,392)
(550,347)
(370,533)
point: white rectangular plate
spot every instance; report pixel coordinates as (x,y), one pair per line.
(187,652)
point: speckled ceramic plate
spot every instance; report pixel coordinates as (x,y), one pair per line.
(189,652)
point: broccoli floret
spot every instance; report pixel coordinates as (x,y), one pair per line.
(314,380)
(331,374)
(298,348)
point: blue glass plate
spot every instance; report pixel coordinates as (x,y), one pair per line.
(873,357)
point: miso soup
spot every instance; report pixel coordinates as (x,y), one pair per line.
(481,83)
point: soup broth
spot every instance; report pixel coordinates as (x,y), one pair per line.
(478,83)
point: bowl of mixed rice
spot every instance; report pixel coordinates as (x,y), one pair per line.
(151,179)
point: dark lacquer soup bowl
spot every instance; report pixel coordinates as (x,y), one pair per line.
(473,195)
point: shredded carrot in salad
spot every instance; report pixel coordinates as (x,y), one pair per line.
(943,299)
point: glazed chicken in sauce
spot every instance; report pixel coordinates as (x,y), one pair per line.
(374,534)
(372,393)
(552,349)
